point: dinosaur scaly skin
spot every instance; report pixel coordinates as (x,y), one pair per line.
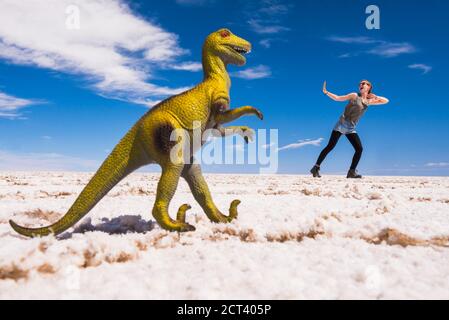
(148,141)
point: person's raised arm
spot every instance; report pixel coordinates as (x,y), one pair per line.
(338,98)
(376,100)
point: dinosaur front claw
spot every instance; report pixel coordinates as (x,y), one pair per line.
(247,133)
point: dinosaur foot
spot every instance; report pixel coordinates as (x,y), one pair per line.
(181,215)
(169,224)
(218,217)
(181,218)
(233,213)
(184,227)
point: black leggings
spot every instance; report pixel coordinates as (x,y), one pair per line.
(355,141)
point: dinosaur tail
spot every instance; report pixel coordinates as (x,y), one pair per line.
(126,157)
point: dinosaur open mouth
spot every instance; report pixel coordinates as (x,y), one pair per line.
(240,50)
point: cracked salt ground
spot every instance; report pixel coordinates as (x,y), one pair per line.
(296,237)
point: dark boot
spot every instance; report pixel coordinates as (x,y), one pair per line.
(315,171)
(352,174)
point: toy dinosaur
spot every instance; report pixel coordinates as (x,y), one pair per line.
(148,141)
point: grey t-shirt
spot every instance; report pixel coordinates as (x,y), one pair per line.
(354,111)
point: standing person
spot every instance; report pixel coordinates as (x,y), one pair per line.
(346,125)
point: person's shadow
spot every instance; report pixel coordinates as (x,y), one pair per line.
(120,225)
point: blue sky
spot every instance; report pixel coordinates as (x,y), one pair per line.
(68,95)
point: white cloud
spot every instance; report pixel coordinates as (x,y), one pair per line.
(258,72)
(187,66)
(266,43)
(358,40)
(10,105)
(259,27)
(348,55)
(266,17)
(273,8)
(302,143)
(390,50)
(10,161)
(382,48)
(113,48)
(419,66)
(437,164)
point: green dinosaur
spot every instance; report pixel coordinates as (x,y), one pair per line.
(148,141)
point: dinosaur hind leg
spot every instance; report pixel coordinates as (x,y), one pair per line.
(165,191)
(192,174)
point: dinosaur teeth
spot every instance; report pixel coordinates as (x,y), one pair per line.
(241,50)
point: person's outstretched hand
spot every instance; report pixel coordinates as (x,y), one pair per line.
(324,88)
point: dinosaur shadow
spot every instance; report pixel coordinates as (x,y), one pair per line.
(120,225)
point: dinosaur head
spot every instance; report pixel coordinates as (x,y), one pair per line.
(230,48)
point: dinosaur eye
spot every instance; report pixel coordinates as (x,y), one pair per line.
(225,33)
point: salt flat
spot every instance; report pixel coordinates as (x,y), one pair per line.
(296,238)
